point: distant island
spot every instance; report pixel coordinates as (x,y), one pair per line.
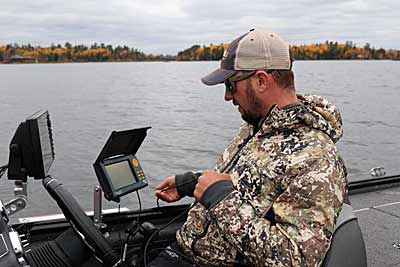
(15,53)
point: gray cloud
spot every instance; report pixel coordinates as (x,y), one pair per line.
(156,26)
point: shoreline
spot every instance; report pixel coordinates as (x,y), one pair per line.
(168,61)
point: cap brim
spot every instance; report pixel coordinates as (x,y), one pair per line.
(217,76)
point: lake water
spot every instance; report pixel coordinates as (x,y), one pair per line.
(191,123)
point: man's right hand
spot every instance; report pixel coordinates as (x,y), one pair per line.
(167,190)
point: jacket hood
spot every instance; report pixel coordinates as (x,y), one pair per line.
(314,111)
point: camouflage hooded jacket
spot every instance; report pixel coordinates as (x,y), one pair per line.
(289,185)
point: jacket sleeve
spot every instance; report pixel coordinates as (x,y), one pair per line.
(304,207)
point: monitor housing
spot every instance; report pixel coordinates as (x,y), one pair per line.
(32,148)
(117,168)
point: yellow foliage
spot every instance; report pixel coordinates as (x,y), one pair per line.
(80,53)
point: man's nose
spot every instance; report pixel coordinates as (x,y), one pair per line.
(228,96)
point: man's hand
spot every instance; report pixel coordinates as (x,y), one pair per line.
(207,179)
(168,195)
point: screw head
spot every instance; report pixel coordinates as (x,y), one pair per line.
(396,244)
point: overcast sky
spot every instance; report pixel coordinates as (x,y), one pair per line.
(169,26)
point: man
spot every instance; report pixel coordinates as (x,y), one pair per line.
(277,190)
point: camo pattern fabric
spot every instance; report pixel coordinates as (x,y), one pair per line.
(291,169)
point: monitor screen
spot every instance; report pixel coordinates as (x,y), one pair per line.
(45,142)
(120,174)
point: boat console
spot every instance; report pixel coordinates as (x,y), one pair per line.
(31,155)
(119,173)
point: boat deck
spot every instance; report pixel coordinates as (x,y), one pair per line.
(378,214)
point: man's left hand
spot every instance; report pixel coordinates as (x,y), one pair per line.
(206,179)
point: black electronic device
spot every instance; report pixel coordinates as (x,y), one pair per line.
(32,148)
(117,168)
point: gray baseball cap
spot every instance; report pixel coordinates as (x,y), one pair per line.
(255,50)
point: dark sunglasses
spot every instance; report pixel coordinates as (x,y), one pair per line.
(230,83)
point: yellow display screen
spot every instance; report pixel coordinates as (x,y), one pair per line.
(120,174)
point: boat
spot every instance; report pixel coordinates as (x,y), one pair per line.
(126,237)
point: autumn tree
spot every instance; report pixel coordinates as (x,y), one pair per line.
(95,52)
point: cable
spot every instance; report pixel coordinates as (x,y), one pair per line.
(161,228)
(130,231)
(140,205)
(3,170)
(173,187)
(136,222)
(182,184)
(119,232)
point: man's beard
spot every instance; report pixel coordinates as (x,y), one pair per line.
(252,116)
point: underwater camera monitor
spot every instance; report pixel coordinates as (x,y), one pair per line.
(117,168)
(32,148)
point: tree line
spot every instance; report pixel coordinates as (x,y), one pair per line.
(348,50)
(102,53)
(321,51)
(76,53)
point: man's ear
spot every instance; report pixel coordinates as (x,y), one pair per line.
(263,80)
